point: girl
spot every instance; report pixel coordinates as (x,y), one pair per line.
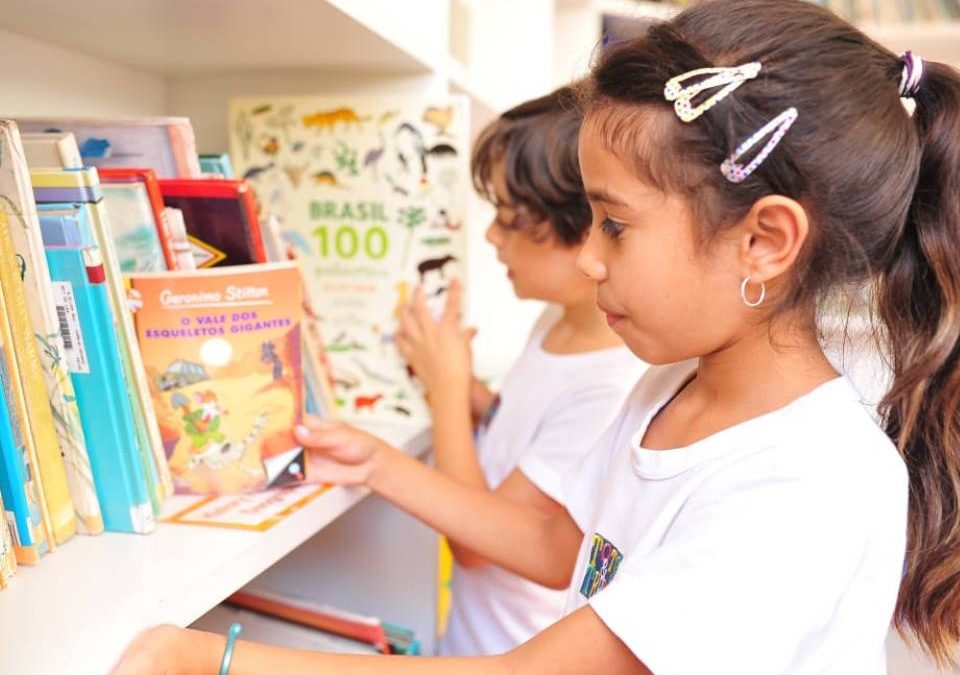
(565,388)
(744,514)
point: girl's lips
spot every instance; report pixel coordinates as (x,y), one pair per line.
(613,319)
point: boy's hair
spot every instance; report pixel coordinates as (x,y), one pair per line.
(537,142)
(882,191)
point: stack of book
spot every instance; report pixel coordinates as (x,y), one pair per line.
(130,370)
(160,319)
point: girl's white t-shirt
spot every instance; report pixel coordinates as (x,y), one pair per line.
(774,547)
(550,411)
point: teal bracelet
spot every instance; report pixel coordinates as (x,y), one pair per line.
(232,634)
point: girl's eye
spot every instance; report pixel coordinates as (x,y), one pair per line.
(611,228)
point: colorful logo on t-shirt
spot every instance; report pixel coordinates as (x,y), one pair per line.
(605,559)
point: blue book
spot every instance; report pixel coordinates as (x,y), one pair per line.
(83,308)
(217,164)
(65,226)
(17,488)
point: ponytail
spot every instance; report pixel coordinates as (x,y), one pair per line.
(919,302)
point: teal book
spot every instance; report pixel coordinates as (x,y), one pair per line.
(95,367)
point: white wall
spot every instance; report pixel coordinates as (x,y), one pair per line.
(41,79)
(204,99)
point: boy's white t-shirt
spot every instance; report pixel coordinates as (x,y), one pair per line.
(550,411)
(774,547)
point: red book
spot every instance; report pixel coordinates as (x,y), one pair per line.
(354,626)
(221,219)
(149,180)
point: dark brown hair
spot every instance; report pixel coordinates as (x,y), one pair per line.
(537,141)
(882,191)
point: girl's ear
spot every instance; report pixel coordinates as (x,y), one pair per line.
(773,233)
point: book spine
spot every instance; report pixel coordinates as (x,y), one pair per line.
(20,493)
(104,400)
(39,414)
(59,391)
(153,456)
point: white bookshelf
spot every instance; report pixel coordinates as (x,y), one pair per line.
(76,610)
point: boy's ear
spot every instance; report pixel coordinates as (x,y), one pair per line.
(773,233)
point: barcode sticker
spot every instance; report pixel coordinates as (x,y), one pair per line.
(69,320)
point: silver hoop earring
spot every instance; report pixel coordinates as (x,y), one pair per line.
(758,301)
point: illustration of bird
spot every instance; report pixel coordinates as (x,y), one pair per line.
(372,158)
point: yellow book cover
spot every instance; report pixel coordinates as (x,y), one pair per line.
(222,351)
(39,416)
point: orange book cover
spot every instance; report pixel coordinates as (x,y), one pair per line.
(222,350)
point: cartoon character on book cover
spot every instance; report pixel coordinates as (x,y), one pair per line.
(225,374)
(371,194)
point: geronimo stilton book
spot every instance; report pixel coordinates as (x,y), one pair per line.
(371,193)
(222,349)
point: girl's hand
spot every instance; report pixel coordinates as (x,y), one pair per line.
(168,650)
(338,453)
(438,351)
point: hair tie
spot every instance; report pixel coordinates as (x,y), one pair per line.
(911,78)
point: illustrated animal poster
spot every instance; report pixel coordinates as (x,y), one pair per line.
(222,349)
(371,193)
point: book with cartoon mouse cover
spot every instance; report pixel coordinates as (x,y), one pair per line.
(222,349)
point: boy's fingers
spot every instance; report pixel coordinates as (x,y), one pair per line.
(451,313)
(409,325)
(420,309)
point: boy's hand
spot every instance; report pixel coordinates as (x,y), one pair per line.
(338,453)
(438,351)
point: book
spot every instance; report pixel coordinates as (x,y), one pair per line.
(372,195)
(146,179)
(223,351)
(384,637)
(272,630)
(317,373)
(355,626)
(97,373)
(179,241)
(221,220)
(21,495)
(135,230)
(54,150)
(85,182)
(251,511)
(217,166)
(71,471)
(8,558)
(16,200)
(165,144)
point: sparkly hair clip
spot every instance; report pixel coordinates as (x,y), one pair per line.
(734,171)
(728,78)
(910,80)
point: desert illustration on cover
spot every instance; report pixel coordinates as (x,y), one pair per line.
(222,349)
